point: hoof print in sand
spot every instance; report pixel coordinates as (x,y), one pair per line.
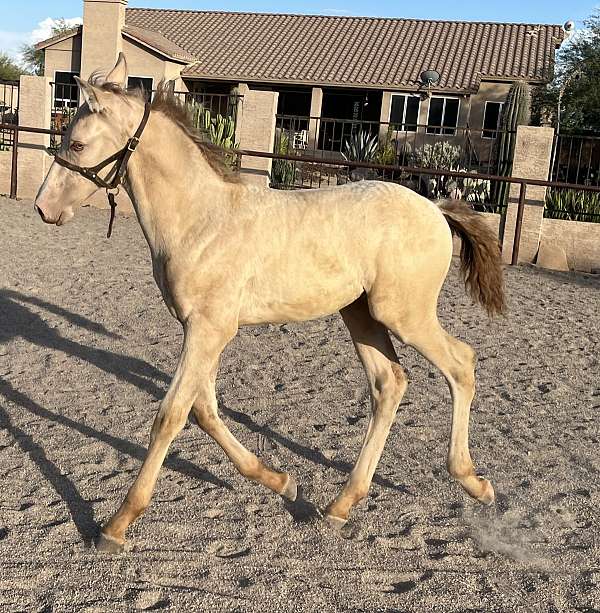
(229,551)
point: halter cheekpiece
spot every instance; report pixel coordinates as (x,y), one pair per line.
(121,159)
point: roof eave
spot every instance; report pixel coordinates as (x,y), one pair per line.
(338,84)
(168,56)
(43,44)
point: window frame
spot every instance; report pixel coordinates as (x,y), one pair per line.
(56,99)
(135,76)
(441,130)
(402,125)
(495,131)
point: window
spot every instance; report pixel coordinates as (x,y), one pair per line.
(443,115)
(66,92)
(404,114)
(491,119)
(143,83)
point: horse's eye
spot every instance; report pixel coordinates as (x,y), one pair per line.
(77,146)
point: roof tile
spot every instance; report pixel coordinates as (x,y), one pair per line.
(351,51)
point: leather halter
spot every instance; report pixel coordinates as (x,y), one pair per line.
(121,159)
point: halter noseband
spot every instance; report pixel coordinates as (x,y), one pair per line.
(121,158)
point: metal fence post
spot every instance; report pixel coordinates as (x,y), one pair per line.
(518,225)
(14,167)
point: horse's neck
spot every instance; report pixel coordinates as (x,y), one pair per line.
(171,185)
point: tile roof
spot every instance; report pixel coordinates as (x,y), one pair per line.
(155,40)
(354,51)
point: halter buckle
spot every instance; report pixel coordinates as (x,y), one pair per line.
(134,141)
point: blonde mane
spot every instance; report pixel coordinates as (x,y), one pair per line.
(166,102)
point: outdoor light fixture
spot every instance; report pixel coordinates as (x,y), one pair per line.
(428,79)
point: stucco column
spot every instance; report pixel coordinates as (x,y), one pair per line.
(35,104)
(533,151)
(256,131)
(314,125)
(102,41)
(385,115)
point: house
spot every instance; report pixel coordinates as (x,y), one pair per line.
(336,70)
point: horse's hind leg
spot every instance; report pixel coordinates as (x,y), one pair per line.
(456,361)
(387,383)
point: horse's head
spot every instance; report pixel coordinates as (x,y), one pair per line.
(100,128)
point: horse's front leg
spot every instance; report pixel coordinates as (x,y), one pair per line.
(203,342)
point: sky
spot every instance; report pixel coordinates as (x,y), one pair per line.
(29,21)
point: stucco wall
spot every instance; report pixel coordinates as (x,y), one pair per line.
(492,92)
(144,63)
(64,55)
(580,240)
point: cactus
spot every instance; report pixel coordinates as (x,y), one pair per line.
(220,130)
(516,112)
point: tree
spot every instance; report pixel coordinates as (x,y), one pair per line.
(34,58)
(9,69)
(573,97)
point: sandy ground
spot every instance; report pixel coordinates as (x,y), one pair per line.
(86,352)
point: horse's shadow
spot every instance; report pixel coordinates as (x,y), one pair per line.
(16,320)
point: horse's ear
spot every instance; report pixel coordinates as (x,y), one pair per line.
(90,95)
(119,73)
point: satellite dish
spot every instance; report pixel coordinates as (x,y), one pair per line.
(569,26)
(430,77)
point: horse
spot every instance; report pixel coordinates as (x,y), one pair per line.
(227,253)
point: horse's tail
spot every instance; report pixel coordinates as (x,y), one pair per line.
(480,260)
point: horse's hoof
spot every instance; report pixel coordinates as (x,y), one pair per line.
(487,496)
(337,523)
(109,544)
(290,491)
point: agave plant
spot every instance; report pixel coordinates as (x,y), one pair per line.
(361,146)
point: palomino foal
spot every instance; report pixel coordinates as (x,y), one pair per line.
(227,254)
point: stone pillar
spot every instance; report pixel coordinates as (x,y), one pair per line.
(102,41)
(385,115)
(35,104)
(314,125)
(533,152)
(256,131)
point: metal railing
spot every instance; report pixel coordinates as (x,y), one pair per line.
(354,166)
(389,143)
(9,110)
(576,159)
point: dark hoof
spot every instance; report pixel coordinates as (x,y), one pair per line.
(108,544)
(337,523)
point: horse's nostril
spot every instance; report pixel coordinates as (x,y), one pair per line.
(37,208)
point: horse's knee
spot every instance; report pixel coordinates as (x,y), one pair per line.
(169,422)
